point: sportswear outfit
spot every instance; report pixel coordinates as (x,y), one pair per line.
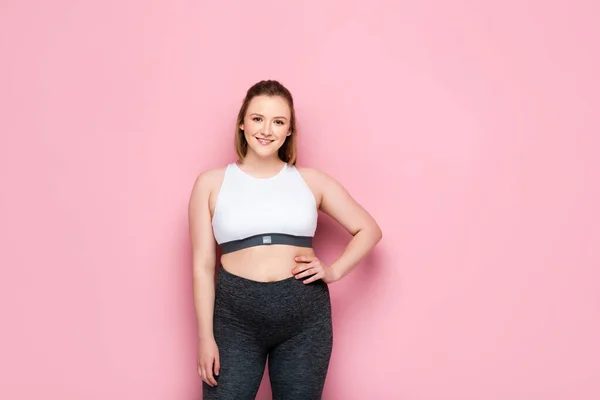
(286,322)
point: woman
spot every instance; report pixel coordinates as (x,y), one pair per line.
(271,298)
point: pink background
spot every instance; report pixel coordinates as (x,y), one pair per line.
(469,129)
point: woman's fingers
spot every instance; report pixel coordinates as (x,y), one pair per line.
(210,379)
(206,374)
(203,374)
(303,266)
(217,365)
(305,259)
(313,278)
(305,273)
(303,262)
(304,270)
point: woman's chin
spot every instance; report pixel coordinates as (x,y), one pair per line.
(264,152)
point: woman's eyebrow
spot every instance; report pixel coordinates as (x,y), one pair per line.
(260,115)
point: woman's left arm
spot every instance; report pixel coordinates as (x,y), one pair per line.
(344,209)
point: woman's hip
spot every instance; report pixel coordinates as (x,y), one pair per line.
(287,303)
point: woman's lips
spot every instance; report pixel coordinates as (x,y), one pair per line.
(264,142)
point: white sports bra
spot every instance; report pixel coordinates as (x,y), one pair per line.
(253,211)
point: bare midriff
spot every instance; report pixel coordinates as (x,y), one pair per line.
(269,263)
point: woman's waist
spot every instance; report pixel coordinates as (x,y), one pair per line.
(264,263)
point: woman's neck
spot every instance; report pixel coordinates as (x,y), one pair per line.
(263,166)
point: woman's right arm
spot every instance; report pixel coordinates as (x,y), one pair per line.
(203,264)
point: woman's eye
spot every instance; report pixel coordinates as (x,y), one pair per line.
(256,119)
(279,122)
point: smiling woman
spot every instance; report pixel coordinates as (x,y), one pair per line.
(267,115)
(273,132)
(271,297)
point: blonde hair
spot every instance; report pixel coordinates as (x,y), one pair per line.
(288,151)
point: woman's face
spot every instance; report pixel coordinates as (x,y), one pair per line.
(266,124)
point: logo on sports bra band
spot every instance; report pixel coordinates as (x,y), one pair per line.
(266,239)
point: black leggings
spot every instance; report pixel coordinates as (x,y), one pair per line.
(286,320)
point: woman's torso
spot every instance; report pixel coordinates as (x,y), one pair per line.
(286,202)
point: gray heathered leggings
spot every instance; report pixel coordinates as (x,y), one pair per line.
(288,321)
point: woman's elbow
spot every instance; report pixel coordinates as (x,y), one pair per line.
(377,233)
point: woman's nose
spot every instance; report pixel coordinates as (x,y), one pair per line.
(266,128)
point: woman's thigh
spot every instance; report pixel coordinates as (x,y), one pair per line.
(298,366)
(242,360)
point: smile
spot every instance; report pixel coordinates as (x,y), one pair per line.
(264,142)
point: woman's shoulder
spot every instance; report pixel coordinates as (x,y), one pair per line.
(210,178)
(315,175)
(303,169)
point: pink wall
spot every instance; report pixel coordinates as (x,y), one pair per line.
(475,135)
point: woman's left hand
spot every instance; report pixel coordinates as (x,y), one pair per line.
(311,265)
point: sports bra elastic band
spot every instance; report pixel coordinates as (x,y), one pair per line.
(266,239)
